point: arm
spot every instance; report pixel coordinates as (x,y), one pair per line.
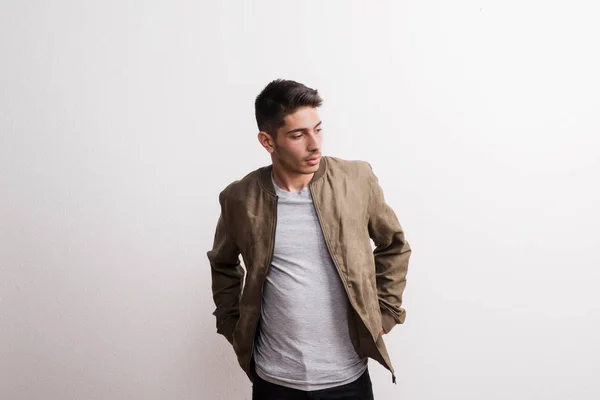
(227,276)
(391,254)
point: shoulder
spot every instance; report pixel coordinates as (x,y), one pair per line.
(241,188)
(350,168)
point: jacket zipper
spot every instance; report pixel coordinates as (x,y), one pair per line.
(262,285)
(344,282)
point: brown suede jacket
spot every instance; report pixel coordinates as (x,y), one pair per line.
(352,211)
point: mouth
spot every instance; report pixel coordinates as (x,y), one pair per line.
(313,160)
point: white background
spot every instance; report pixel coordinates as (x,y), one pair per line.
(120,122)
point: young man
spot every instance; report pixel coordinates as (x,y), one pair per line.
(315,299)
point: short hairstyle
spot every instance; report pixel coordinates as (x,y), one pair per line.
(279,99)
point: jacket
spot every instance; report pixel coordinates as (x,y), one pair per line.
(352,211)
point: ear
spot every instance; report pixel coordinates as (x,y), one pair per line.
(266,141)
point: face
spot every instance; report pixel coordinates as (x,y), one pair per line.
(297,147)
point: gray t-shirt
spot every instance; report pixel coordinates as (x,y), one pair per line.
(303,340)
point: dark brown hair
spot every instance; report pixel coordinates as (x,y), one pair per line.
(280,98)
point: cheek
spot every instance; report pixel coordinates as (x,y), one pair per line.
(293,151)
(287,154)
(300,153)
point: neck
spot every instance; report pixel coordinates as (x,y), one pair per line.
(290,181)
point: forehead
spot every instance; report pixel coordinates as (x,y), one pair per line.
(304,117)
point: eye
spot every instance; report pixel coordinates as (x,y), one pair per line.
(296,136)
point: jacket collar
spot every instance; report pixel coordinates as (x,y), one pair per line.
(267,183)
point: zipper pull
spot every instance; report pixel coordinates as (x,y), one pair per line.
(393,379)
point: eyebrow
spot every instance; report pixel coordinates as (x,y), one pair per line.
(302,129)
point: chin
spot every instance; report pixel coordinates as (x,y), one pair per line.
(305,170)
(312,168)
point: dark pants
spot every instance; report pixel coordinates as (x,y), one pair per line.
(360,389)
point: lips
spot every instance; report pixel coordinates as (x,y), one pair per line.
(313,160)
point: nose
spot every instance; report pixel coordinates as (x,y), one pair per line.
(313,143)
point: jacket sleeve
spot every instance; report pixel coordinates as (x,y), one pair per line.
(391,253)
(227,277)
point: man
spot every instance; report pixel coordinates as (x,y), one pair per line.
(315,299)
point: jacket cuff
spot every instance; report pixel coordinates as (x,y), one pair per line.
(387,320)
(226,329)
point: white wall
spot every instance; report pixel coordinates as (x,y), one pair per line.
(120,122)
